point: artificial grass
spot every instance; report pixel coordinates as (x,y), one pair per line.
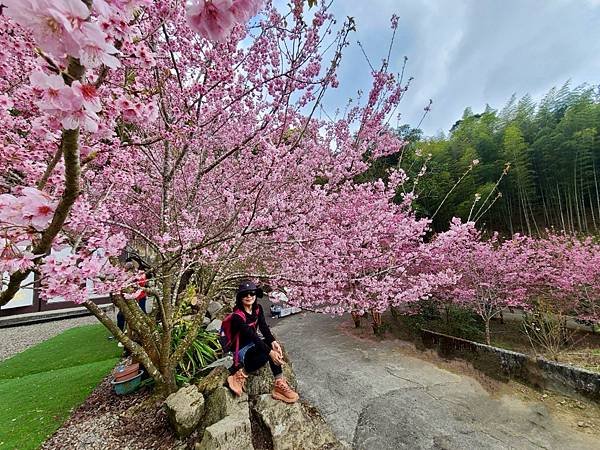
(73,347)
(40,386)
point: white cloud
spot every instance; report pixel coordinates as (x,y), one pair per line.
(469,53)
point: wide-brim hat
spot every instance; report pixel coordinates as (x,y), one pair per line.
(247,286)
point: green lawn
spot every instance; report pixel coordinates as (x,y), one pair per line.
(40,386)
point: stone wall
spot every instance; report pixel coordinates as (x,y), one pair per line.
(505,364)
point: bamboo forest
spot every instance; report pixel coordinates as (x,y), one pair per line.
(536,165)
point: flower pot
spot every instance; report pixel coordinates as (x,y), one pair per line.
(127,386)
(124,373)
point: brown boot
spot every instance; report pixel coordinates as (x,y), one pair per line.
(237,382)
(282,391)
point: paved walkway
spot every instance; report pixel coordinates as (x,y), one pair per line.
(375,397)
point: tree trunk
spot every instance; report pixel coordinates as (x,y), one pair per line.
(136,350)
(562,217)
(170,384)
(377,322)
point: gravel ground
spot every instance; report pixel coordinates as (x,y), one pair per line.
(16,339)
(107,421)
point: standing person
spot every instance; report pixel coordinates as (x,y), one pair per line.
(141,296)
(255,352)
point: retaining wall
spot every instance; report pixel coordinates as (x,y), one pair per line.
(505,364)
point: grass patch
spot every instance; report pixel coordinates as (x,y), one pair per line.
(74,347)
(40,386)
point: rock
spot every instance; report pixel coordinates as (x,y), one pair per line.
(261,381)
(192,317)
(233,432)
(581,424)
(213,380)
(225,361)
(185,408)
(214,326)
(294,426)
(221,313)
(212,308)
(222,403)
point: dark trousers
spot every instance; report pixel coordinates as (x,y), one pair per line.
(121,317)
(256,358)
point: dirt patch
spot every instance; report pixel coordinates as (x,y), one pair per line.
(583,350)
(106,421)
(580,415)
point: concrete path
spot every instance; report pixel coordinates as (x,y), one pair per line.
(374,397)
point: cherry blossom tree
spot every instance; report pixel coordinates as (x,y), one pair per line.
(554,274)
(177,129)
(490,274)
(584,272)
(563,274)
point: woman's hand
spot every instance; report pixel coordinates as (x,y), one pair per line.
(275,346)
(276,357)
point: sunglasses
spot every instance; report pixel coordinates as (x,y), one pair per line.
(249,294)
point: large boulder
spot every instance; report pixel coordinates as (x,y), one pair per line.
(294,426)
(222,403)
(214,326)
(215,378)
(232,432)
(185,408)
(212,308)
(261,381)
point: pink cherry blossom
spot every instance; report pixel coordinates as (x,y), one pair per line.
(52,22)
(88,95)
(11,210)
(94,50)
(31,208)
(126,7)
(244,10)
(74,106)
(5,102)
(13,258)
(76,118)
(134,111)
(212,19)
(53,89)
(38,207)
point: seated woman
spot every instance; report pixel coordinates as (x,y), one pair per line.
(255,352)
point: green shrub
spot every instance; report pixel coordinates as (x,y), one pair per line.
(443,318)
(203,351)
(461,322)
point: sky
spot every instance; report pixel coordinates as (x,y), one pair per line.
(469,53)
